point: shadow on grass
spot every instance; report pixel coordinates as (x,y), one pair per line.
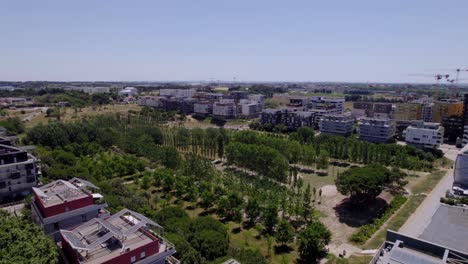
(356,215)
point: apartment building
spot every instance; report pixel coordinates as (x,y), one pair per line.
(88,89)
(332,105)
(153,101)
(203,109)
(424,135)
(465,119)
(445,108)
(426,112)
(125,237)
(453,126)
(376,130)
(337,124)
(408,111)
(290,117)
(19,171)
(249,108)
(225,109)
(182,93)
(65,204)
(372,110)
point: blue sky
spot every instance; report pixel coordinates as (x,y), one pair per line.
(255,40)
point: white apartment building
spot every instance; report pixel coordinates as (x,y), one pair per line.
(203,108)
(337,124)
(250,109)
(128,91)
(376,130)
(333,105)
(426,135)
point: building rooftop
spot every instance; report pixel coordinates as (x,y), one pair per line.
(61,191)
(448,227)
(100,240)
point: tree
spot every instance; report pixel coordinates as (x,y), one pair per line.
(23,242)
(252,209)
(364,183)
(312,242)
(284,232)
(270,217)
(307,203)
(207,199)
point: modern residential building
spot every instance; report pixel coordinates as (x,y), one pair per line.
(65,204)
(250,109)
(19,171)
(460,172)
(332,105)
(125,237)
(128,91)
(376,130)
(186,106)
(292,118)
(224,110)
(88,89)
(182,93)
(424,135)
(453,126)
(372,110)
(203,109)
(445,108)
(402,249)
(337,124)
(408,111)
(426,111)
(153,101)
(259,98)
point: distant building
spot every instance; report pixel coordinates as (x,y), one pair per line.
(19,171)
(260,98)
(249,108)
(224,110)
(446,108)
(453,126)
(376,130)
(88,89)
(65,204)
(187,105)
(372,110)
(465,119)
(182,93)
(337,124)
(153,101)
(203,109)
(289,117)
(425,135)
(128,91)
(15,101)
(332,105)
(125,237)
(408,111)
(426,112)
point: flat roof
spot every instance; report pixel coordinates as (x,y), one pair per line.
(58,192)
(101,240)
(448,227)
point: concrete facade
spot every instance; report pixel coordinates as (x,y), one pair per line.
(425,135)
(337,124)
(376,130)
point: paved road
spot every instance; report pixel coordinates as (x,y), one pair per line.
(421,218)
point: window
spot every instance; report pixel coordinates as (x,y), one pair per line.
(2,185)
(56,226)
(83,218)
(143,255)
(132,259)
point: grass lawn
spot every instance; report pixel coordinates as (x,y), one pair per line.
(250,238)
(423,187)
(318,181)
(354,259)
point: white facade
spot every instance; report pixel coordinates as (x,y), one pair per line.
(333,105)
(429,135)
(203,108)
(128,91)
(250,109)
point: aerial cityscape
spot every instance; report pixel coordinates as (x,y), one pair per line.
(248,132)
